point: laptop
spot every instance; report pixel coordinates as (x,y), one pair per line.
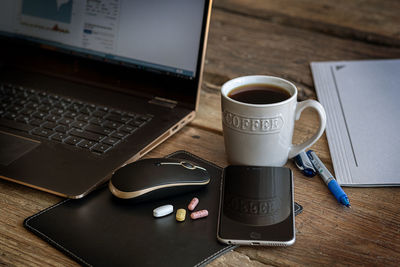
(88,86)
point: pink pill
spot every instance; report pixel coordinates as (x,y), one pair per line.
(193,203)
(199,214)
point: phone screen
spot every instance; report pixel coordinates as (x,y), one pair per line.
(256,206)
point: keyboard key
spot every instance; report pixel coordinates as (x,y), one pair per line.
(112,124)
(49,125)
(111,141)
(15,109)
(59,137)
(66,121)
(54,97)
(4,105)
(99,113)
(104,109)
(23,119)
(32,105)
(86,144)
(16,125)
(61,129)
(86,110)
(42,132)
(83,117)
(27,111)
(78,124)
(98,129)
(117,118)
(58,111)
(36,122)
(96,121)
(136,123)
(71,114)
(128,129)
(35,99)
(72,140)
(86,135)
(44,108)
(47,101)
(21,102)
(120,135)
(117,112)
(39,115)
(101,148)
(52,118)
(144,117)
(74,107)
(61,105)
(10,116)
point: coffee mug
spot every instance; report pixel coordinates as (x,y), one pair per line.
(258,126)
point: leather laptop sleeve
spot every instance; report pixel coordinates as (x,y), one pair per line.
(101,230)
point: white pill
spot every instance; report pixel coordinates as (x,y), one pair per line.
(163,211)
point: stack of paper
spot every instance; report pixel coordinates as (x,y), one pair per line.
(362,102)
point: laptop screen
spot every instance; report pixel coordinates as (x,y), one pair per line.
(155,35)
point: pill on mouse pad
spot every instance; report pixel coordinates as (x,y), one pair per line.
(163,211)
(199,214)
(192,205)
(180,215)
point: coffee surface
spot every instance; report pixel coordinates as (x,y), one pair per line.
(259,94)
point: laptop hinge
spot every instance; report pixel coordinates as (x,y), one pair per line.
(168,103)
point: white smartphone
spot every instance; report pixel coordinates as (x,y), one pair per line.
(256,206)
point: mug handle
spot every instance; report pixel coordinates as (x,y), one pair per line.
(296,149)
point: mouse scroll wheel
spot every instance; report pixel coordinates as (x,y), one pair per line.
(188,165)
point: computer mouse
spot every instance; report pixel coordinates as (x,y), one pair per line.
(155,178)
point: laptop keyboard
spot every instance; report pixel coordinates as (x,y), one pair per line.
(65,120)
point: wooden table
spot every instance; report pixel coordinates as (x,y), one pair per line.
(276,38)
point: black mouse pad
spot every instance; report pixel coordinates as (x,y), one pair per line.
(101,230)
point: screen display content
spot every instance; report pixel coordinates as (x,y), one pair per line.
(147,34)
(256,205)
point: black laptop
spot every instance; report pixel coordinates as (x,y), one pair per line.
(87,86)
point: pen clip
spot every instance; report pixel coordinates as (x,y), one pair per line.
(304,164)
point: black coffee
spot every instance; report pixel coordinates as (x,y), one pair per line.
(259,94)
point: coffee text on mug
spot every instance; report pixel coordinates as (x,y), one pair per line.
(253,125)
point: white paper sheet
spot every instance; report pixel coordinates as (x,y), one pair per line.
(362,101)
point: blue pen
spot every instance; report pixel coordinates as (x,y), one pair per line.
(333,186)
(304,164)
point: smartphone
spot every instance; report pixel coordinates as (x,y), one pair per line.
(256,206)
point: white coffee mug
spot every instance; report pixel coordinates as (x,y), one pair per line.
(261,134)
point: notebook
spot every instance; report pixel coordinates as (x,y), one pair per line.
(100,230)
(361,99)
(87,86)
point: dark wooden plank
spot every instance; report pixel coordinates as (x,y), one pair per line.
(242,45)
(372,21)
(17,245)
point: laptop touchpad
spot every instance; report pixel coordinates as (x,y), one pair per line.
(14,147)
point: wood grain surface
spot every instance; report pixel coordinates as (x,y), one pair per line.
(277,38)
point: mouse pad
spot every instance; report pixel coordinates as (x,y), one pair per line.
(101,230)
